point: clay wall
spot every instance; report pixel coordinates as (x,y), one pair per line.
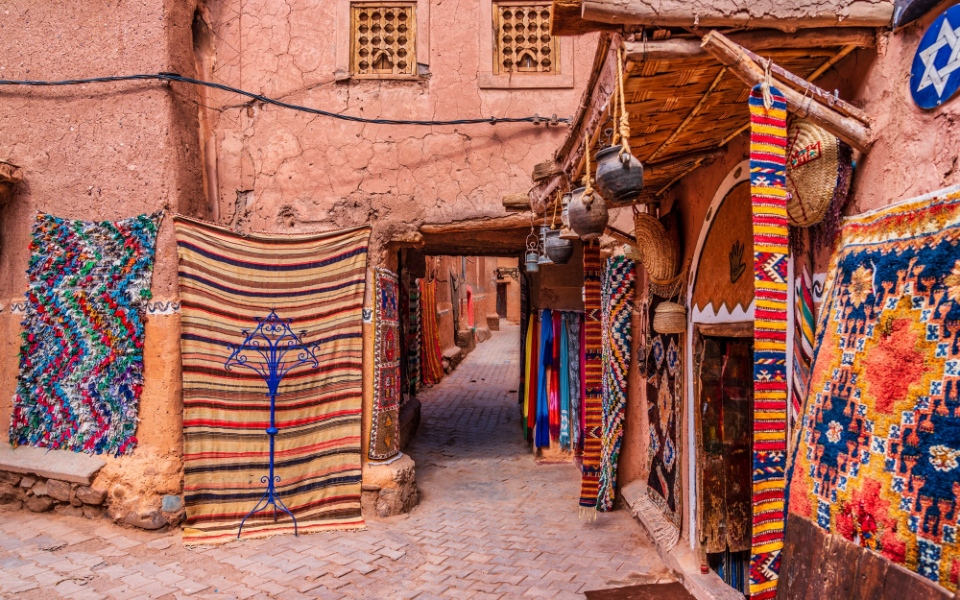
(103,152)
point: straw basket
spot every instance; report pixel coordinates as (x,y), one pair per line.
(669,317)
(655,248)
(813,170)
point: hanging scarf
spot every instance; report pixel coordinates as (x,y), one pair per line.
(534,362)
(527,344)
(546,353)
(432,365)
(572,332)
(564,383)
(555,379)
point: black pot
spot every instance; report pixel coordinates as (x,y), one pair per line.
(588,215)
(619,178)
(558,249)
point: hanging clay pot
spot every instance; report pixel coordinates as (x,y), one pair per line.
(558,249)
(588,214)
(565,232)
(619,176)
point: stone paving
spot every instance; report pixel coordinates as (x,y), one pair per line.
(491,524)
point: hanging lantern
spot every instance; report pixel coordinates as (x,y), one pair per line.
(532,255)
(544,259)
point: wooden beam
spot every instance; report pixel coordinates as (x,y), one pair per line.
(846,128)
(517,221)
(740,13)
(516,202)
(804,85)
(620,236)
(858,37)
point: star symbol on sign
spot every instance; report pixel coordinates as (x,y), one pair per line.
(948,38)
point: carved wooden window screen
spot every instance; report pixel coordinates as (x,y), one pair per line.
(523,40)
(383,40)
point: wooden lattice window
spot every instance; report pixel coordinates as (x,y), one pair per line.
(523,40)
(383,40)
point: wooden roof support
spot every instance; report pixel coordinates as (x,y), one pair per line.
(740,13)
(515,221)
(857,37)
(808,106)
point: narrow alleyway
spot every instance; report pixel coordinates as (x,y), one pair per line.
(491,524)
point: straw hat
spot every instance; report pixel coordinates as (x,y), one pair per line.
(813,172)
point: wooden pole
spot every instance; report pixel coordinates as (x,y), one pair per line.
(807,106)
(516,221)
(739,13)
(859,37)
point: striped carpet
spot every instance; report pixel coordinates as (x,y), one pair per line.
(226,282)
(768,151)
(593,377)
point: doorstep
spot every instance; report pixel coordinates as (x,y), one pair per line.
(62,465)
(677,556)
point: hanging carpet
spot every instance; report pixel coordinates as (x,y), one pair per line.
(617,309)
(593,377)
(877,462)
(804,325)
(431,358)
(663,370)
(227,281)
(768,143)
(413,339)
(384,425)
(81,354)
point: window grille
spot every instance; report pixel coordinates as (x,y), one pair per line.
(383,40)
(523,40)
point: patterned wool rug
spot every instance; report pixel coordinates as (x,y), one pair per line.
(384,426)
(413,339)
(877,461)
(665,399)
(768,147)
(617,309)
(81,358)
(227,281)
(593,377)
(804,325)
(431,365)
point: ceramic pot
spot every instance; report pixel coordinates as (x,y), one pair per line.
(619,178)
(558,249)
(588,216)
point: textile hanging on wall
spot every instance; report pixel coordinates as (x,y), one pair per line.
(574,324)
(564,377)
(385,417)
(525,380)
(877,461)
(227,281)
(81,355)
(413,339)
(431,365)
(593,377)
(617,307)
(534,383)
(544,368)
(804,326)
(768,142)
(663,368)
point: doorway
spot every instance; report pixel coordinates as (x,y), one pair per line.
(725,402)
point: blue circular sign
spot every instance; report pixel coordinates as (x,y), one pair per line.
(935,76)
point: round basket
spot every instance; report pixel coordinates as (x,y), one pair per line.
(655,248)
(813,172)
(669,317)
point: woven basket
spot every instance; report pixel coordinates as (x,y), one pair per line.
(656,248)
(813,168)
(670,317)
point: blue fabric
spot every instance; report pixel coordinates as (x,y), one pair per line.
(542,439)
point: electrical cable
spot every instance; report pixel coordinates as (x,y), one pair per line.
(163,76)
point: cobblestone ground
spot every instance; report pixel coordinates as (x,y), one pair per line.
(491,524)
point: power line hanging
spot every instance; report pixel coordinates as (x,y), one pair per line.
(162,76)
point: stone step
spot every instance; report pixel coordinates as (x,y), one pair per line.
(63,465)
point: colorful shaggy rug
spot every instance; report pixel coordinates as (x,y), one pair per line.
(431,358)
(81,354)
(384,425)
(617,309)
(227,281)
(768,151)
(664,394)
(593,377)
(879,455)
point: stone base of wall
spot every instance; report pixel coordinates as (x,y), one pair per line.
(493,322)
(483,333)
(389,489)
(451,358)
(409,421)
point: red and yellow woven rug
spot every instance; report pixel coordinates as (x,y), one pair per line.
(593,377)
(226,282)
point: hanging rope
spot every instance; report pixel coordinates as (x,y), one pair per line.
(624,116)
(587,179)
(765,85)
(556,204)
